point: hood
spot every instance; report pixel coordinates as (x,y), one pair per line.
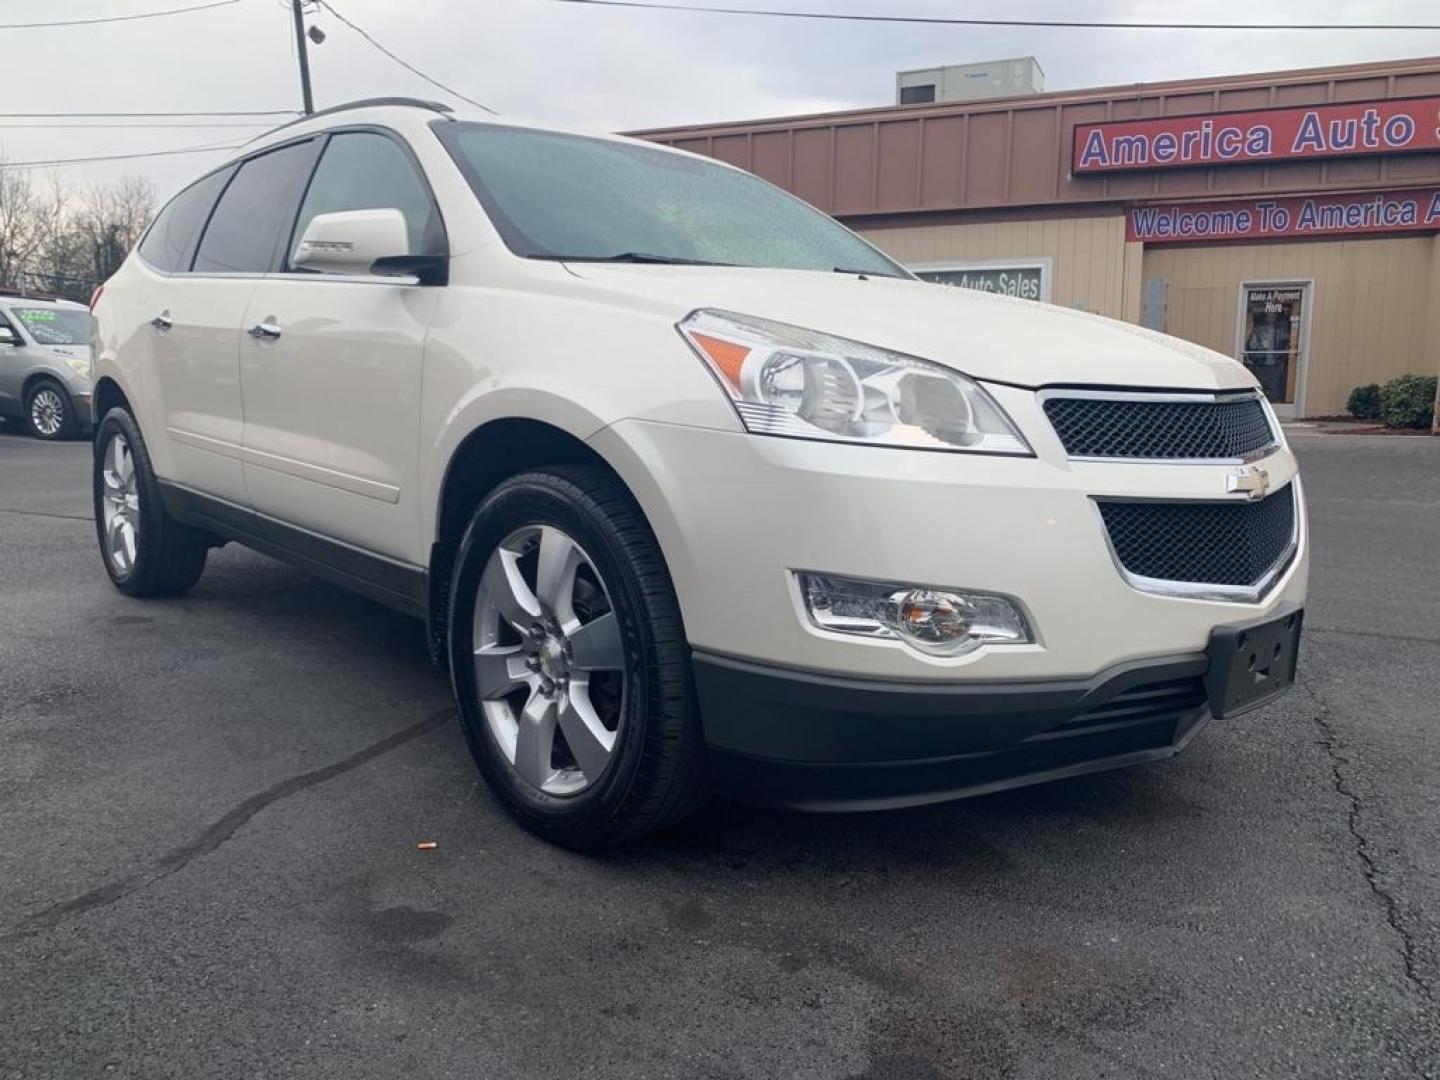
(985,335)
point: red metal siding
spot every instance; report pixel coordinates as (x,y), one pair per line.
(1016,152)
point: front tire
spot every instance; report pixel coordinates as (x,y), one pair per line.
(570,663)
(146,551)
(49,411)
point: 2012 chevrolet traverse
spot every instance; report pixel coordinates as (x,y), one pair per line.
(695,488)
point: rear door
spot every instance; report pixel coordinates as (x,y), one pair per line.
(194,311)
(332,385)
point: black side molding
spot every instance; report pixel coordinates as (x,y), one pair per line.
(387,581)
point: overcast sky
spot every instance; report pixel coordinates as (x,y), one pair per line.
(611,69)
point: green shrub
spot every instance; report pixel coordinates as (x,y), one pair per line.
(1364,402)
(1408,402)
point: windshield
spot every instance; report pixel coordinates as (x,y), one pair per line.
(55,326)
(573,197)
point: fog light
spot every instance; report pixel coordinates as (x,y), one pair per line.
(942,622)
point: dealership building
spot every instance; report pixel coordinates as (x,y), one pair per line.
(1287,219)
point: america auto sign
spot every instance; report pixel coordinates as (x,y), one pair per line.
(1264,135)
(1409,210)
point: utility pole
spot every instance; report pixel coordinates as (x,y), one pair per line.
(301,51)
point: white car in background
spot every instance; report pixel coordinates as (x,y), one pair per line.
(45,364)
(695,489)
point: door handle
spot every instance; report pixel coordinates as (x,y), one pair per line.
(162,322)
(264,331)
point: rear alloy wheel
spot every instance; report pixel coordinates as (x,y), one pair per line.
(146,551)
(570,663)
(120,506)
(49,411)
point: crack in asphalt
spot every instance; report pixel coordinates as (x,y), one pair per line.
(220,831)
(45,514)
(1329,742)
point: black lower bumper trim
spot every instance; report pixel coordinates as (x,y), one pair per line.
(828,742)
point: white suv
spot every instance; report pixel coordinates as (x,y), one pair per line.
(695,489)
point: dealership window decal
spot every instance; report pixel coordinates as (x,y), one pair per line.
(1028,279)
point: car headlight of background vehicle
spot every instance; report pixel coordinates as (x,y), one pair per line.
(79,364)
(786,380)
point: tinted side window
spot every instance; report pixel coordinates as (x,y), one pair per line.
(254,212)
(171,240)
(362,170)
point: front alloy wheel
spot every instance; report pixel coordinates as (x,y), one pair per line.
(570,663)
(48,412)
(549,663)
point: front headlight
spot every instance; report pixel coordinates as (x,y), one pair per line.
(786,380)
(79,364)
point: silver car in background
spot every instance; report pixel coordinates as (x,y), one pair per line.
(45,364)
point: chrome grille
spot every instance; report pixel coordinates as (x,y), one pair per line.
(1236,544)
(1166,427)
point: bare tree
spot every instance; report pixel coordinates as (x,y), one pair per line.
(21,223)
(109,220)
(54,241)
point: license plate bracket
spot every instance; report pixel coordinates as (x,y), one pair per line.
(1253,663)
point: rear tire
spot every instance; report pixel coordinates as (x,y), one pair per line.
(146,552)
(49,412)
(637,760)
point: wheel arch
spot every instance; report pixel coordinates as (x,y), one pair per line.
(486,457)
(35,378)
(106,396)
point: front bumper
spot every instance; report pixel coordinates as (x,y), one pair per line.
(819,742)
(737,514)
(798,716)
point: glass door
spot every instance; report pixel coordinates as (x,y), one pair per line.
(1273,340)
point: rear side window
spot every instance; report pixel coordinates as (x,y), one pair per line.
(171,240)
(362,170)
(256,208)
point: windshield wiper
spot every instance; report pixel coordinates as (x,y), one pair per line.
(637,257)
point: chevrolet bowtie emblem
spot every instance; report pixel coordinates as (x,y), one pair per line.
(1251,481)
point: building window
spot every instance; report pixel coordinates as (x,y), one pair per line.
(1028,279)
(917,95)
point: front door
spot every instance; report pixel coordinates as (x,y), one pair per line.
(331,366)
(1274,339)
(332,408)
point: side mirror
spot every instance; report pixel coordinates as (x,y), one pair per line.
(8,336)
(351,242)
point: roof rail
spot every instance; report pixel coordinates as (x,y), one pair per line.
(363,103)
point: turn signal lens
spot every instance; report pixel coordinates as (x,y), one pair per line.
(941,622)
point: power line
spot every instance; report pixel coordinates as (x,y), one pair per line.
(119,18)
(936,20)
(130,115)
(114,157)
(127,127)
(407,66)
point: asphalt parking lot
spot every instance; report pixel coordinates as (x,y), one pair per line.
(209,809)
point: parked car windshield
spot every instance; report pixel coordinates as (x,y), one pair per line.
(579,198)
(55,326)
